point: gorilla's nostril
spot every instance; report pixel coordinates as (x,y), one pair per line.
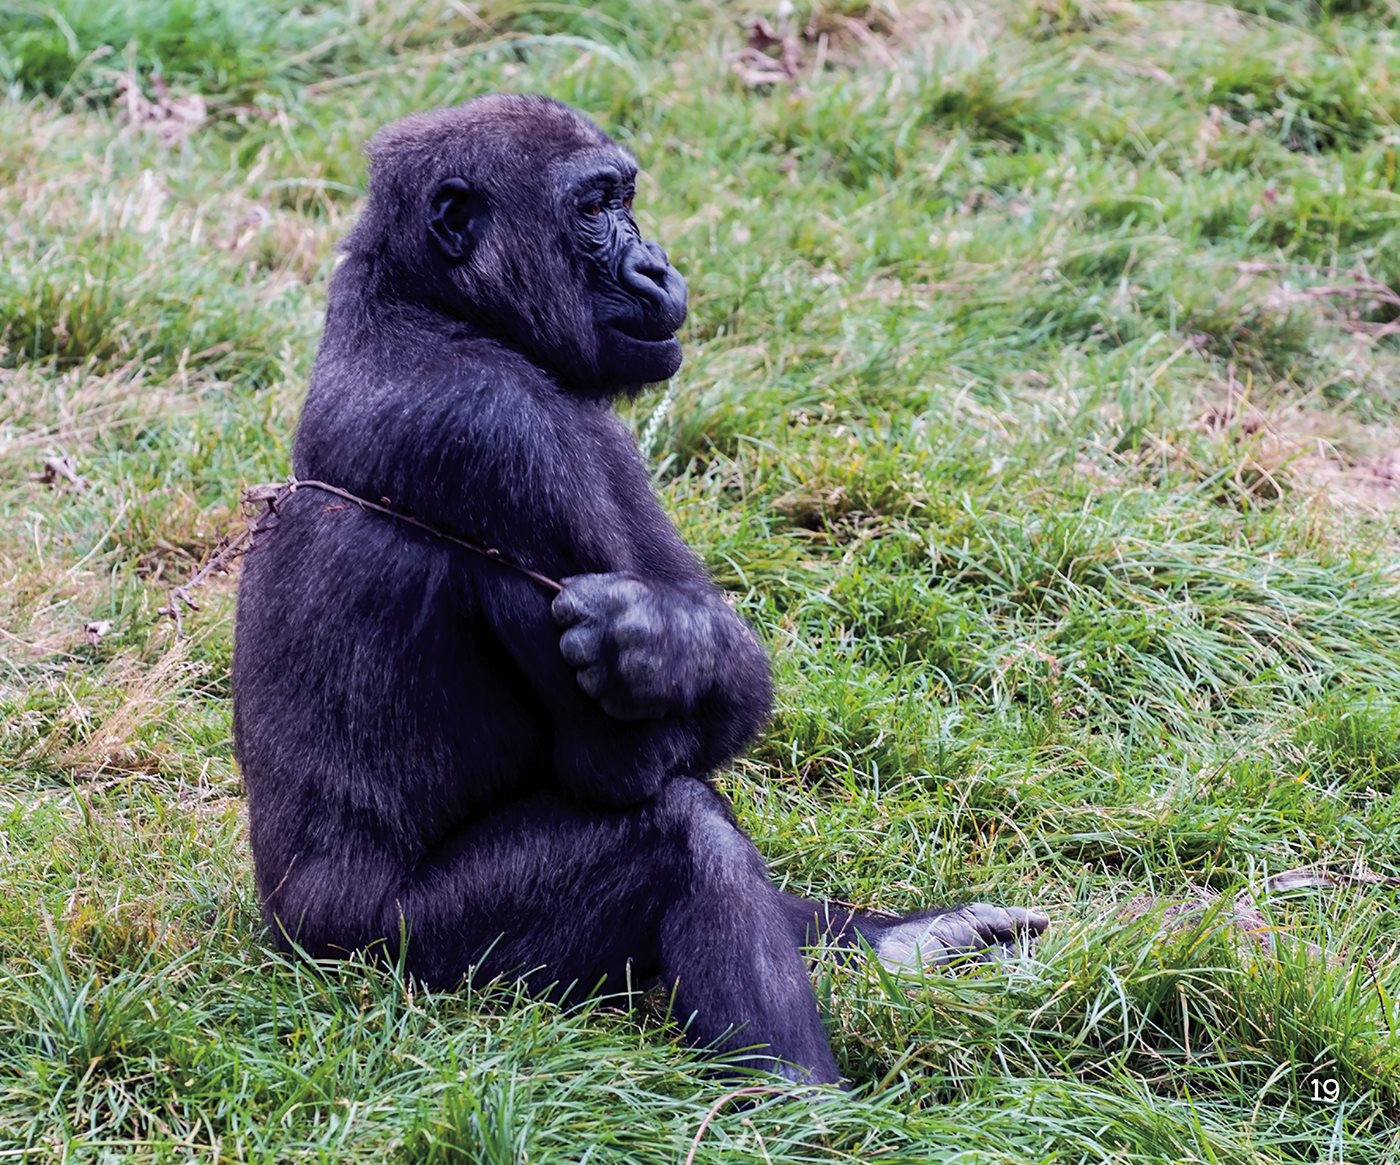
(644,271)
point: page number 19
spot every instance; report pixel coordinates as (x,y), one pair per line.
(1325,1088)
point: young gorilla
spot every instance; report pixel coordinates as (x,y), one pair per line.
(424,750)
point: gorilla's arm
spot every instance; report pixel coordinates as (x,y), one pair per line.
(556,484)
(658,639)
(669,681)
(681,679)
(597,759)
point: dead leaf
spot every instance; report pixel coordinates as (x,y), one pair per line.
(172,118)
(1245,915)
(61,468)
(771,57)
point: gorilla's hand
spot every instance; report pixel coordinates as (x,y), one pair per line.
(641,649)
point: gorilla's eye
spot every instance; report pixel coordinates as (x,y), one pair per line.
(627,203)
(593,209)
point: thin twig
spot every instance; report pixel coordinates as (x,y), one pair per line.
(754,1090)
(485,551)
(270,495)
(1360,287)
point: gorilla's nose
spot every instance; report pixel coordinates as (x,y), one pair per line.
(660,291)
(646,271)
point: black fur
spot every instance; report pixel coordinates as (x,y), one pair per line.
(431,745)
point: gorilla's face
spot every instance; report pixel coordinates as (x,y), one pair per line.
(638,299)
(533,221)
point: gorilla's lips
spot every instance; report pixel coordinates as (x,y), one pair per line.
(651,360)
(646,347)
(644,332)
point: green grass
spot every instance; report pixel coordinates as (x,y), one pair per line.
(1040,406)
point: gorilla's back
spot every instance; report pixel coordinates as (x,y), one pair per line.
(368,703)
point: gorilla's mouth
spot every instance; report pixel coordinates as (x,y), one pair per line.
(634,353)
(639,335)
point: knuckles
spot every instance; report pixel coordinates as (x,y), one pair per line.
(628,643)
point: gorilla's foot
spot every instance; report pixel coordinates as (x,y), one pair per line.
(978,930)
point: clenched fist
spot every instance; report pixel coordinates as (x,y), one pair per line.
(641,649)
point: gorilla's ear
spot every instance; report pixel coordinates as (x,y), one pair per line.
(457,218)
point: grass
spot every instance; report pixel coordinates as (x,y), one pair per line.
(1040,406)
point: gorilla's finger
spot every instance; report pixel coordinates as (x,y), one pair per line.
(642,672)
(600,594)
(635,627)
(1027,920)
(568,606)
(593,680)
(581,644)
(584,595)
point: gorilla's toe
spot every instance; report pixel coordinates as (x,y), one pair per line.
(977,930)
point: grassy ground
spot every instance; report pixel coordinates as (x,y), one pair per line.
(1041,407)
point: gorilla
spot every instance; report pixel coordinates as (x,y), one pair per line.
(448,763)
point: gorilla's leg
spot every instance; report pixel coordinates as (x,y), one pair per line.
(929,937)
(728,946)
(568,897)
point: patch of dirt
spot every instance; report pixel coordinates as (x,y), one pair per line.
(781,49)
(1254,925)
(1333,457)
(1367,483)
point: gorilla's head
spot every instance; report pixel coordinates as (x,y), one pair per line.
(514,214)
